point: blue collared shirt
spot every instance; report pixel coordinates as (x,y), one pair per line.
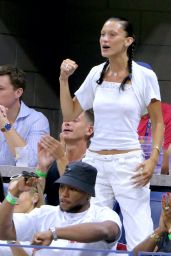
(30,125)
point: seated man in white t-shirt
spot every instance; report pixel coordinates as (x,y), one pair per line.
(75,223)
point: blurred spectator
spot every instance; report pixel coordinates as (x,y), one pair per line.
(27,201)
(20,125)
(144,129)
(160,239)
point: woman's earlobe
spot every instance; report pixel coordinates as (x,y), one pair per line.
(129,41)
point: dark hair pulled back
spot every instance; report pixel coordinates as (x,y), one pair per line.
(127,26)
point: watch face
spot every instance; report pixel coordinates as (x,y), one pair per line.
(7,127)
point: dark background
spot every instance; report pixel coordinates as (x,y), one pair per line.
(37,35)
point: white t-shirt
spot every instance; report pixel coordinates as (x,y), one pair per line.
(117,112)
(41,219)
(6,251)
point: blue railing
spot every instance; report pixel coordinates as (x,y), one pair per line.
(154,254)
(76,251)
(62,251)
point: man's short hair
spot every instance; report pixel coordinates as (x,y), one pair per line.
(16,75)
(89,114)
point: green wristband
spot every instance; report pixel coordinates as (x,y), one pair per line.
(11,199)
(40,173)
(169,236)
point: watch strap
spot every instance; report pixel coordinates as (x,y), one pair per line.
(54,234)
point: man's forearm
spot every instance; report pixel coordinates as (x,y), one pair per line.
(90,232)
(7,229)
(18,251)
(149,244)
(14,140)
(61,163)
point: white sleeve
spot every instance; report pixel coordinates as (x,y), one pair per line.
(151,90)
(25,224)
(85,94)
(107,214)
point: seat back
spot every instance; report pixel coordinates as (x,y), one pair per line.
(155,204)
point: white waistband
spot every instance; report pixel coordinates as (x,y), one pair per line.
(136,153)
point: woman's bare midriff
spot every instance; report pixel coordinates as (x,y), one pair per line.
(114,151)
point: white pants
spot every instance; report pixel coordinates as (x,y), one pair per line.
(114,182)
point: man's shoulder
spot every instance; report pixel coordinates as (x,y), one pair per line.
(104,213)
(49,209)
(27,111)
(100,210)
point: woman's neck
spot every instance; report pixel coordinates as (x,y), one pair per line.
(118,64)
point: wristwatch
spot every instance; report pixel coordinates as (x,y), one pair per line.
(54,235)
(6,128)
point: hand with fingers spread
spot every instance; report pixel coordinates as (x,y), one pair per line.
(144,172)
(45,159)
(68,67)
(54,150)
(54,147)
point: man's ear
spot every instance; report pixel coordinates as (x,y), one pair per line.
(19,92)
(90,131)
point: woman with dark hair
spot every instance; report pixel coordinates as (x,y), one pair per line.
(119,91)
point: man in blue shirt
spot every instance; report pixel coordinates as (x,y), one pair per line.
(20,126)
